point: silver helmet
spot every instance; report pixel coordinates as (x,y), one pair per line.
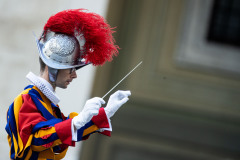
(61,51)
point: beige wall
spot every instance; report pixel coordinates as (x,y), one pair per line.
(18,56)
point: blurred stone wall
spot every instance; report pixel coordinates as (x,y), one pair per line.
(18,56)
(181,108)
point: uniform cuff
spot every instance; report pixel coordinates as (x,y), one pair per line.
(101,120)
(64,132)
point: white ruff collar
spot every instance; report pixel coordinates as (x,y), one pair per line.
(44,86)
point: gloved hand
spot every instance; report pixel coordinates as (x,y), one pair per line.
(115,101)
(90,109)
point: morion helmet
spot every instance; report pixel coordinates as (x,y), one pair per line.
(74,38)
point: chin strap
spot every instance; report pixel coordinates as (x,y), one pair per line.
(52,73)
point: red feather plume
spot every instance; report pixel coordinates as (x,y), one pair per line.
(99,46)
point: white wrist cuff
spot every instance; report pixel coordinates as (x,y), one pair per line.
(74,132)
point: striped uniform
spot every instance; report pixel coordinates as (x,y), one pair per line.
(38,130)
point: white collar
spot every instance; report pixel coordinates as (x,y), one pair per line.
(44,86)
(46,83)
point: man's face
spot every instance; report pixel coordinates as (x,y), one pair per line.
(65,77)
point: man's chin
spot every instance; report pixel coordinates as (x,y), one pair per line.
(63,87)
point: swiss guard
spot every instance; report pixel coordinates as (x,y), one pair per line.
(36,127)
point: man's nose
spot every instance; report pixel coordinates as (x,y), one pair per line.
(74,74)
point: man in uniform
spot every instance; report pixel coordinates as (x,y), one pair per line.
(36,127)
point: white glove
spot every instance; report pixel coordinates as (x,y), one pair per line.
(115,101)
(90,109)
